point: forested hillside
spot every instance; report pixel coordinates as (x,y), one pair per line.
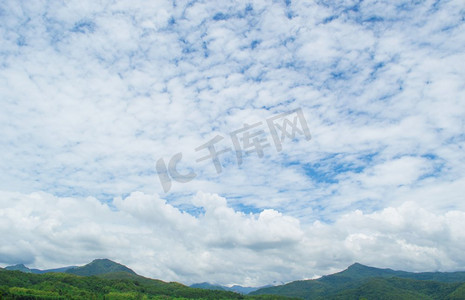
(363,282)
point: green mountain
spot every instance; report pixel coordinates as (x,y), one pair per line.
(99,266)
(235,288)
(19,267)
(103,279)
(19,285)
(23,268)
(244,289)
(208,286)
(96,267)
(359,281)
(57,270)
(402,288)
(360,271)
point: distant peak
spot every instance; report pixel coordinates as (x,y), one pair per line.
(18,267)
(103,260)
(100,266)
(357,265)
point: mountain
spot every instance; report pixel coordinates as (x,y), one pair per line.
(103,278)
(114,285)
(235,288)
(402,288)
(23,268)
(363,280)
(98,267)
(208,286)
(359,271)
(57,270)
(245,289)
(19,267)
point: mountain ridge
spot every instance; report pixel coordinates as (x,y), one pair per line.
(23,268)
(355,282)
(113,285)
(359,279)
(245,290)
(98,267)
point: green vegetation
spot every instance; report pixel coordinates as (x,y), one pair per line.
(119,285)
(235,288)
(23,268)
(19,267)
(362,282)
(105,279)
(207,286)
(100,266)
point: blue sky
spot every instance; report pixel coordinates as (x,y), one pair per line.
(92,95)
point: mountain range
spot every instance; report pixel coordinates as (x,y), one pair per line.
(100,279)
(103,278)
(235,288)
(23,268)
(105,266)
(363,282)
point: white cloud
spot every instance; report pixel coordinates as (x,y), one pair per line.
(401,171)
(222,245)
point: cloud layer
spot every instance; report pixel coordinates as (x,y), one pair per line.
(223,245)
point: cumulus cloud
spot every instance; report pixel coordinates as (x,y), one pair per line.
(222,245)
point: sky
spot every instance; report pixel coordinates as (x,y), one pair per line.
(108,110)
